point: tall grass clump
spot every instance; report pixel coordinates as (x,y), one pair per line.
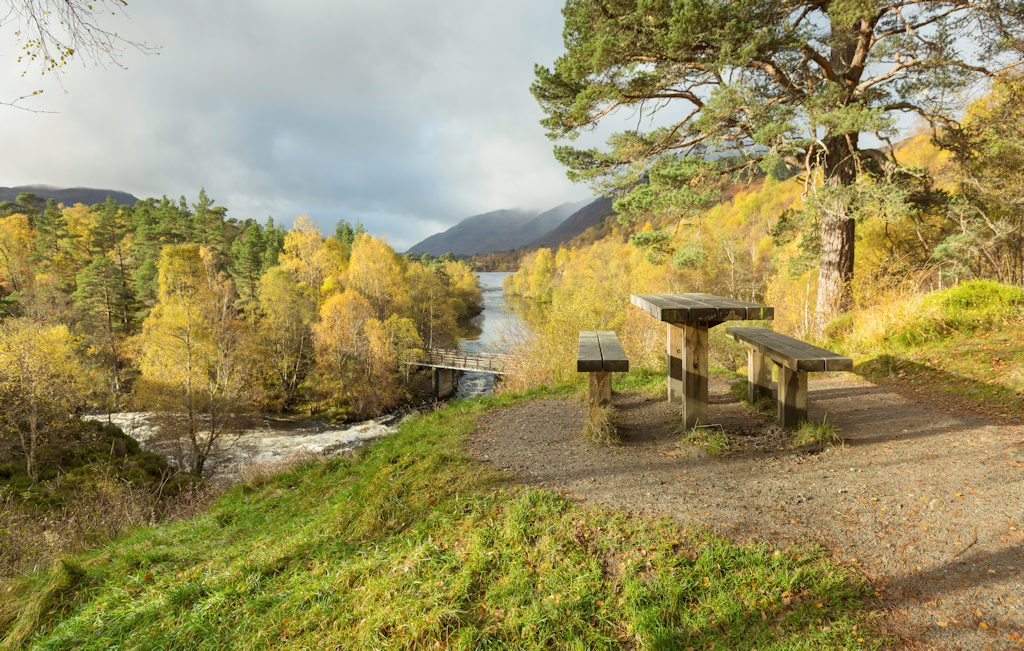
(739,391)
(600,426)
(712,438)
(903,318)
(811,433)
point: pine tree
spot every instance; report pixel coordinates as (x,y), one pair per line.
(52,232)
(109,226)
(273,243)
(794,82)
(246,266)
(103,293)
(208,221)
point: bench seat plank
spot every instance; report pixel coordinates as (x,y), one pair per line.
(600,351)
(588,355)
(795,359)
(613,356)
(790,352)
(600,354)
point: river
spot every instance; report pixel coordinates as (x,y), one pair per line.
(271,438)
(491,324)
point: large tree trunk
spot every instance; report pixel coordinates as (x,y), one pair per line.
(837,232)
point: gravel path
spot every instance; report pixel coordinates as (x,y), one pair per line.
(925,500)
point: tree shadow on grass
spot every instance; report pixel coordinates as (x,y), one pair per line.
(938,386)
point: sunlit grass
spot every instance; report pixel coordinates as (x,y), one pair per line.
(966,341)
(411,545)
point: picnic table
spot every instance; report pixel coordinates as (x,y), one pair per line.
(688,317)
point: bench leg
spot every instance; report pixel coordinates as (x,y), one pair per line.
(759,376)
(792,397)
(674,353)
(600,388)
(695,365)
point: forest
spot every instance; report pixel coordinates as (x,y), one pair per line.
(173,308)
(952,213)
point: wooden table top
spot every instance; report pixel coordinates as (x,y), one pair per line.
(682,308)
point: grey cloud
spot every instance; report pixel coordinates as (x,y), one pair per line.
(407,115)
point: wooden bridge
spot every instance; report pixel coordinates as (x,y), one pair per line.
(460,361)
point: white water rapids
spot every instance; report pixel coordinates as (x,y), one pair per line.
(263,441)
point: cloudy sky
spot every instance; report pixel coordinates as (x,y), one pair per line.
(406,114)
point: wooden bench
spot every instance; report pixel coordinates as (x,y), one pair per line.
(600,354)
(794,358)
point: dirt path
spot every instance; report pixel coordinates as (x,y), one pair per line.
(926,500)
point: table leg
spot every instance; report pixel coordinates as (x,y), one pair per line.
(674,352)
(695,363)
(759,376)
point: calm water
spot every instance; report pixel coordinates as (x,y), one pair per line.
(491,322)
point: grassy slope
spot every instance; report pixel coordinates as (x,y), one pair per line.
(966,342)
(412,546)
(986,368)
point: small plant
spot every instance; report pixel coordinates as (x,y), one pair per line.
(811,433)
(764,404)
(600,429)
(710,437)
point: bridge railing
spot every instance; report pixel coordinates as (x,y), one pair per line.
(465,361)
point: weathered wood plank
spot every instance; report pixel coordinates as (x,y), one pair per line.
(588,355)
(680,308)
(674,353)
(759,375)
(613,357)
(685,307)
(790,352)
(745,310)
(792,397)
(695,367)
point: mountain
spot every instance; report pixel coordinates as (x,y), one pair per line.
(499,230)
(68,196)
(490,231)
(547,221)
(592,214)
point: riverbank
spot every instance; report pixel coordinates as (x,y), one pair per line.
(412,544)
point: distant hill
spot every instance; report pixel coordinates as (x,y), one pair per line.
(499,230)
(491,231)
(68,196)
(546,222)
(592,214)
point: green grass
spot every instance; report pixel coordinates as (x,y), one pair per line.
(647,381)
(411,545)
(764,404)
(984,368)
(811,433)
(968,344)
(713,439)
(975,306)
